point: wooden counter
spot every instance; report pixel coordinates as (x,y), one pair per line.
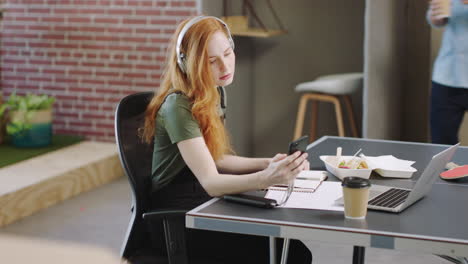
(37,183)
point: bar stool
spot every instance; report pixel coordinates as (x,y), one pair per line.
(328,88)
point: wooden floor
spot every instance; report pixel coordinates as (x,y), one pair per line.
(38,183)
(52,252)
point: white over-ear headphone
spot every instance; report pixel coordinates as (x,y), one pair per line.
(180,55)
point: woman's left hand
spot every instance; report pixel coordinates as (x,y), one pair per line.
(278,157)
(306,165)
(465,2)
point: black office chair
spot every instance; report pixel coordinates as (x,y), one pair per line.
(136,158)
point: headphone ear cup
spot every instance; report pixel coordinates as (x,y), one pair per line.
(184,67)
(231,41)
(181,63)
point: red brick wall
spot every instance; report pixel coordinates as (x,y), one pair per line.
(86,53)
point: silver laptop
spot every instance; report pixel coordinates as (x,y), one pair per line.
(394,199)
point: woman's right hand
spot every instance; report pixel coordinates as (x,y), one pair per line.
(435,10)
(283,169)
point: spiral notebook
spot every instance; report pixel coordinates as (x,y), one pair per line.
(311,191)
(306,181)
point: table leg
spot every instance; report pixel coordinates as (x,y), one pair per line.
(272,250)
(284,255)
(359,254)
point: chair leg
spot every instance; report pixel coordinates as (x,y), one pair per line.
(359,254)
(175,240)
(352,120)
(339,116)
(300,116)
(313,124)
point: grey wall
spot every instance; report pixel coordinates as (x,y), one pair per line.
(325,37)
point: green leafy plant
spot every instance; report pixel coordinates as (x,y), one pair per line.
(3,120)
(27,105)
(30,102)
(3,108)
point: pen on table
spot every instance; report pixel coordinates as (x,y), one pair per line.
(307,179)
(280,185)
(298,178)
(324,175)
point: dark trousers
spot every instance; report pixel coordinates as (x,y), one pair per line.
(185,192)
(448,106)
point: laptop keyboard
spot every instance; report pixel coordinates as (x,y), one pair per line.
(390,198)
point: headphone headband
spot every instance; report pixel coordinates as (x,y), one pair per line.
(181,56)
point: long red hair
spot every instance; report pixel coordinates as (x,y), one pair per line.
(198,85)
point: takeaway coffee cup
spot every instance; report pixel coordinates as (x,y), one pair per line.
(355,196)
(445,10)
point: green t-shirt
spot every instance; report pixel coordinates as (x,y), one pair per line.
(174,123)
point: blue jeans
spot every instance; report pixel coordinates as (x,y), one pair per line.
(448,106)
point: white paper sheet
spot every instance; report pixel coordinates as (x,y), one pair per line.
(322,199)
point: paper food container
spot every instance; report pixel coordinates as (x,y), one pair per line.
(396,173)
(380,168)
(340,172)
(389,166)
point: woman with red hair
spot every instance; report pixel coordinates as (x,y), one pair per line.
(192,158)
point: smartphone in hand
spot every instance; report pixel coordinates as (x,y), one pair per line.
(299,145)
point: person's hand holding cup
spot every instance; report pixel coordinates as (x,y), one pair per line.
(439,11)
(355,197)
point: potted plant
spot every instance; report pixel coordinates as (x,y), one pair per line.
(30,120)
